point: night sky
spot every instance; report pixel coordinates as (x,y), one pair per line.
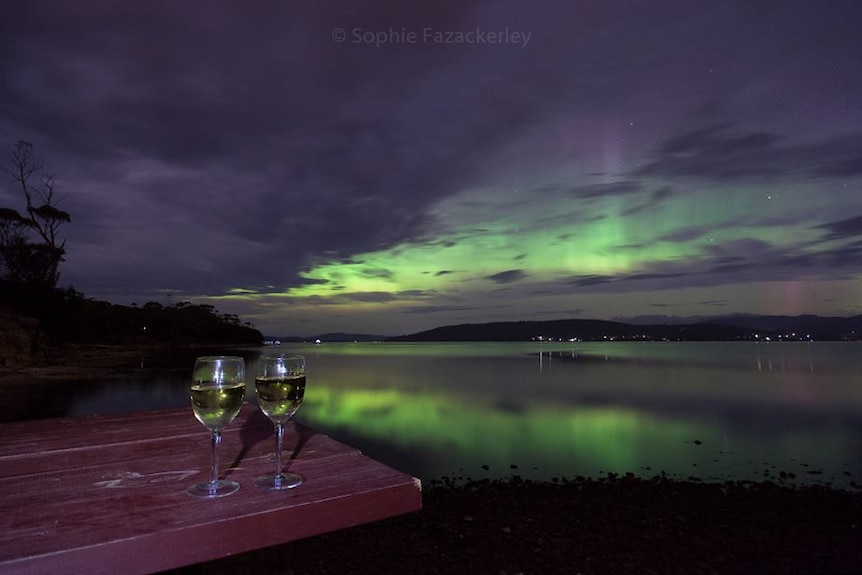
(387,166)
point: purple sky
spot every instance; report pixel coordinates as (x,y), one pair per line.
(386,167)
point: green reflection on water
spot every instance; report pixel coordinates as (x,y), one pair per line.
(715,412)
(538,438)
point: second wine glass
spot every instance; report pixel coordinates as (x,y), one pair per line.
(280,388)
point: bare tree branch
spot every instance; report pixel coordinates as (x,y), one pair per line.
(21,258)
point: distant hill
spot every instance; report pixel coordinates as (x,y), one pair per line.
(729,328)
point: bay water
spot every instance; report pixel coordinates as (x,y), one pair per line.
(789,412)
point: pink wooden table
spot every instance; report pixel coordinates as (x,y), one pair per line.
(106,493)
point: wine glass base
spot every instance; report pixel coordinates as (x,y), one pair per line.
(209,491)
(288,481)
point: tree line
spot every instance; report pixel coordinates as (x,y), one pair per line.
(32,248)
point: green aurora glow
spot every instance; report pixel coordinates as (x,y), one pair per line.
(515,255)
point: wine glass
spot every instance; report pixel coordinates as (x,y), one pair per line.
(217,393)
(280,387)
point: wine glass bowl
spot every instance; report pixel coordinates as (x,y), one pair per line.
(280,388)
(217,392)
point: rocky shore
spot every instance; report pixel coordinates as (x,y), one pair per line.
(612,525)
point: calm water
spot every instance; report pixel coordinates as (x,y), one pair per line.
(708,410)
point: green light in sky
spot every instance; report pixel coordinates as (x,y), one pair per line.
(546,238)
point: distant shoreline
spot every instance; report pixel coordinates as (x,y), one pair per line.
(719,328)
(731,328)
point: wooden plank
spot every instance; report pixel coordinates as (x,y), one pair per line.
(106,506)
(25,454)
(25,437)
(155,462)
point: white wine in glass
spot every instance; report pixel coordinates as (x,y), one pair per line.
(217,392)
(280,388)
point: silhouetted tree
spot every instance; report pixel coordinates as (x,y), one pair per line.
(30,247)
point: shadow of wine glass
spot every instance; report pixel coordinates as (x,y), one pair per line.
(303,434)
(255,428)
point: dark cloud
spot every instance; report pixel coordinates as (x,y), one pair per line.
(605,190)
(508,276)
(654,276)
(685,234)
(656,198)
(719,152)
(376,273)
(845,259)
(734,262)
(735,250)
(368,297)
(590,280)
(841,229)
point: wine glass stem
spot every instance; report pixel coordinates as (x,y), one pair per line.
(279,440)
(216,443)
